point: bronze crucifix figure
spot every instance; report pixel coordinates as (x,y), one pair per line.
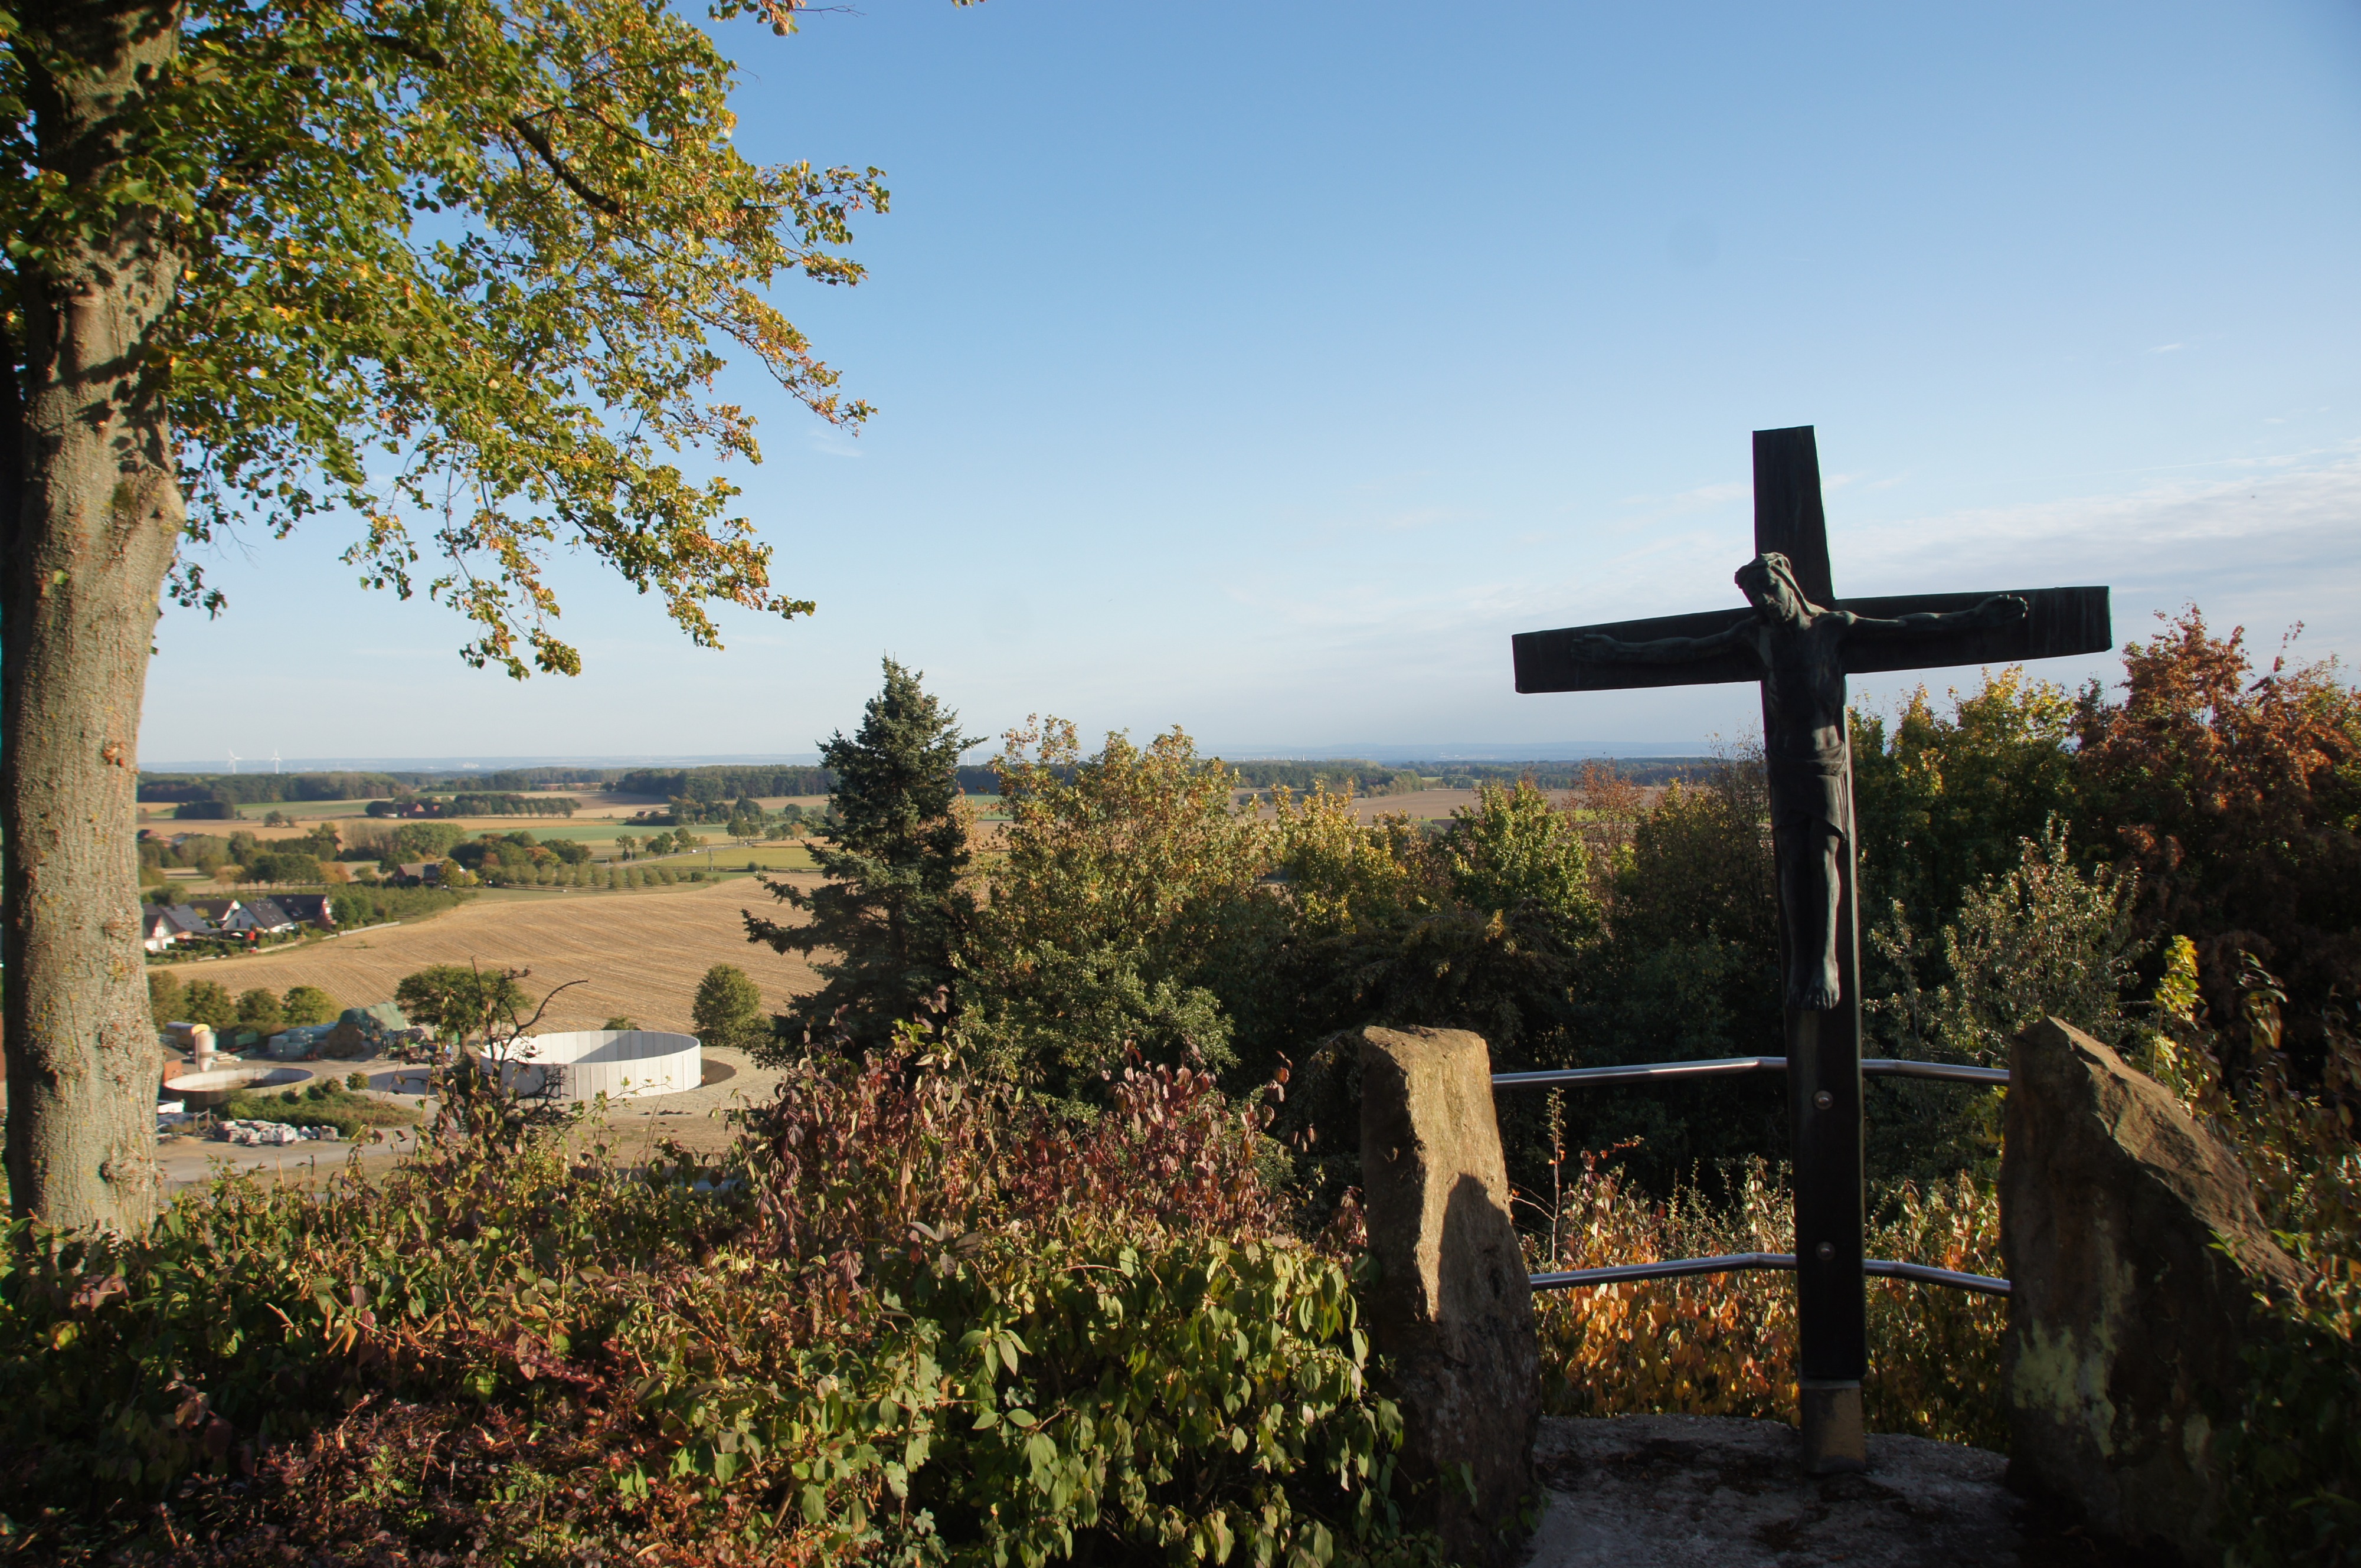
(1799,641)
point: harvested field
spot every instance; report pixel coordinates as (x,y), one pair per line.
(641,953)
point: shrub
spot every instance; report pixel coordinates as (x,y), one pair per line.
(2291,1455)
(374,906)
(918,1326)
(355,1080)
(321,1103)
(1725,1344)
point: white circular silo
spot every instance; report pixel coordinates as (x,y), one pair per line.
(621,1064)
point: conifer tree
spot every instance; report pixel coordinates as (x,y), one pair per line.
(891,910)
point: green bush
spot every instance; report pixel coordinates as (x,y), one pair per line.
(374,906)
(321,1103)
(2294,1457)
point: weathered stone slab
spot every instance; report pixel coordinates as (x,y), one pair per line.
(1451,1309)
(1676,1491)
(2133,1251)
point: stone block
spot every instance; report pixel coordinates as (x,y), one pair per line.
(2134,1251)
(1451,1309)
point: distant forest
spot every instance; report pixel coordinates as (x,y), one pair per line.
(267,789)
(726,783)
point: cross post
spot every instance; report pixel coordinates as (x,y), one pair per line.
(1799,641)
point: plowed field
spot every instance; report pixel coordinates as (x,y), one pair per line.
(641,953)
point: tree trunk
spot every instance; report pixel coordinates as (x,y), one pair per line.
(90,516)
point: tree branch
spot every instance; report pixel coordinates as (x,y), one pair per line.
(590,195)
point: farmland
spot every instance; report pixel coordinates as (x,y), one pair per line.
(596,826)
(641,953)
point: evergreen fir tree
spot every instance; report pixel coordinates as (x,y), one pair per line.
(891,910)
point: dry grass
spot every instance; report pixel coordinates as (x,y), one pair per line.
(641,953)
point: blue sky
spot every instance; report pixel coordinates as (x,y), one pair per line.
(1262,370)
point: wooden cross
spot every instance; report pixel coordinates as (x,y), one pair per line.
(1800,640)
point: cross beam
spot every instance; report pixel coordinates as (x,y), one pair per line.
(2059,623)
(1800,640)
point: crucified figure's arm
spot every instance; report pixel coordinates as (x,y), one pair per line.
(1663,650)
(2000,609)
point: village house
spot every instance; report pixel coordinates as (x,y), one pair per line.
(307,909)
(268,916)
(276,915)
(167,925)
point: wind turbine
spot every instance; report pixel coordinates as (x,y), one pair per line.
(274,759)
(233,762)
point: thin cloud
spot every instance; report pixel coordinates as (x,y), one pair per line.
(2265,548)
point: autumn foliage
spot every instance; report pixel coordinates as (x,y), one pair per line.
(2235,796)
(908,1322)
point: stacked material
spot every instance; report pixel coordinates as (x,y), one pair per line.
(301,1042)
(250,1135)
(363,1031)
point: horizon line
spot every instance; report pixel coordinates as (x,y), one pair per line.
(1413,751)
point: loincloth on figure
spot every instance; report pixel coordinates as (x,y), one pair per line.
(1807,790)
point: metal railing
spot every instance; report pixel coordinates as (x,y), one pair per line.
(1719,1067)
(1723,1067)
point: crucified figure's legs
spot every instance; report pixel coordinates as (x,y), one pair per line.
(1810,856)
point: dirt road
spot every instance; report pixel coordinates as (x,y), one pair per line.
(640,953)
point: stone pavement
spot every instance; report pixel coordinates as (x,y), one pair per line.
(1661,1491)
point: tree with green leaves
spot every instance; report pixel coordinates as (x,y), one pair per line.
(208,1002)
(1944,801)
(461,999)
(260,1008)
(461,272)
(1515,845)
(164,996)
(1122,878)
(891,911)
(308,1004)
(727,1010)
